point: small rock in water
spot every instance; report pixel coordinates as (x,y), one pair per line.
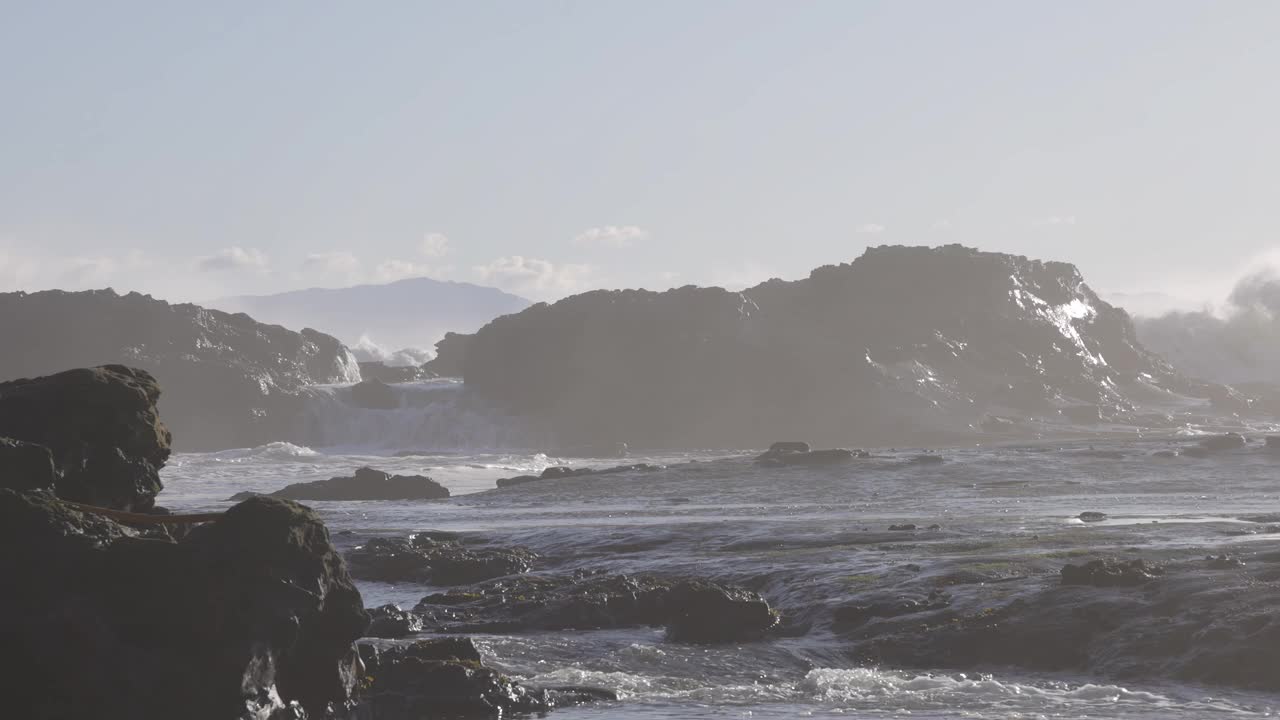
(903,527)
(1092,516)
(1229,441)
(391,622)
(926,459)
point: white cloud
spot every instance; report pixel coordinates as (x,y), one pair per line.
(434,245)
(614,236)
(234,258)
(534,276)
(872,228)
(1056,220)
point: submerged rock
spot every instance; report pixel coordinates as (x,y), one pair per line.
(1091,516)
(444,678)
(564,472)
(437,562)
(101,429)
(692,611)
(240,618)
(365,484)
(1110,573)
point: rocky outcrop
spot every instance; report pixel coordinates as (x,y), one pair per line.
(365,484)
(694,611)
(444,678)
(238,620)
(422,558)
(98,427)
(451,355)
(904,343)
(229,381)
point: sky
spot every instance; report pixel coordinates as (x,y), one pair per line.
(197,150)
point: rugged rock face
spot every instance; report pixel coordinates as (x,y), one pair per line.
(242,617)
(451,355)
(97,426)
(919,343)
(229,381)
(424,559)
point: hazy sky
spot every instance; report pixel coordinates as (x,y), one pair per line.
(198,149)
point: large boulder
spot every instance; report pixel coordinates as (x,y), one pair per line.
(243,617)
(26,466)
(101,429)
(853,352)
(229,381)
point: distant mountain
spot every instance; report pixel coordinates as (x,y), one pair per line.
(905,344)
(408,313)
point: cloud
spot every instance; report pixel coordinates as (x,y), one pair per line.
(1056,220)
(534,276)
(233,258)
(338,261)
(434,245)
(614,236)
(871,228)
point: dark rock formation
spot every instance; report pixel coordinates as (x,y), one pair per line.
(373,395)
(856,351)
(451,356)
(365,484)
(692,611)
(26,466)
(437,562)
(229,381)
(100,429)
(243,616)
(564,472)
(444,678)
(1091,516)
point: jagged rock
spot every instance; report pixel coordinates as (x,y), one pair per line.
(26,466)
(444,678)
(365,484)
(439,562)
(240,618)
(692,611)
(101,428)
(229,381)
(374,395)
(854,350)
(1110,573)
(451,355)
(389,621)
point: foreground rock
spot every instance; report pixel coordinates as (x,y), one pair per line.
(564,472)
(99,428)
(444,678)
(365,484)
(239,619)
(1190,619)
(229,381)
(691,611)
(430,559)
(855,350)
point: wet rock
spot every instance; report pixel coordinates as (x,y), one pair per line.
(1218,443)
(1111,573)
(438,562)
(903,527)
(238,619)
(101,428)
(926,459)
(365,484)
(857,614)
(1091,516)
(552,473)
(517,480)
(445,679)
(373,395)
(391,622)
(26,466)
(692,611)
(809,457)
